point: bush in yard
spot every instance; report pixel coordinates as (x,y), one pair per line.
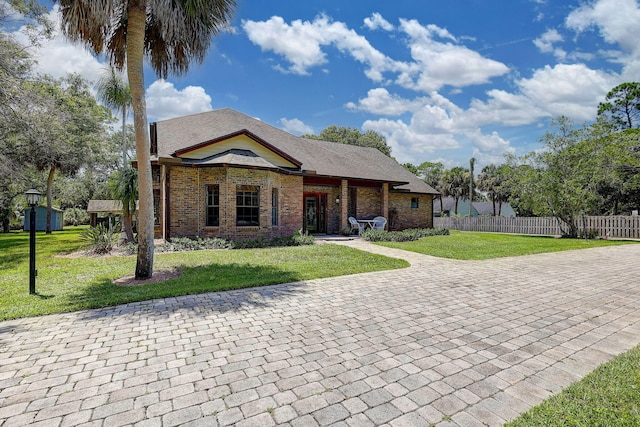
(298,238)
(100,239)
(75,216)
(179,244)
(408,235)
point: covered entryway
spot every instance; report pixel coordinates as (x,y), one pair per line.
(315,212)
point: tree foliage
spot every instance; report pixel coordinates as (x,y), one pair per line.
(622,106)
(170,35)
(115,93)
(123,186)
(65,129)
(352,136)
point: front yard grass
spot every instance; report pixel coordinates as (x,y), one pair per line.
(477,246)
(67,283)
(608,396)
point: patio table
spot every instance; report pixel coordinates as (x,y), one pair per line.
(367,223)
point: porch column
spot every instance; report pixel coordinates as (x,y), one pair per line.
(163,201)
(344,204)
(385,201)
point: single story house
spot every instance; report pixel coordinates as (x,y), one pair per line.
(477,208)
(224,174)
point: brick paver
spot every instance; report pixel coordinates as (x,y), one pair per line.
(444,342)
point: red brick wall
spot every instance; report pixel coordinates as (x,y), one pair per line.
(188,198)
(369,202)
(408,217)
(188,211)
(333,209)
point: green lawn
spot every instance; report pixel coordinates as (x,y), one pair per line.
(73,283)
(608,396)
(471,245)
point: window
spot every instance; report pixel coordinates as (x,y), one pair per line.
(156,207)
(415,202)
(247,205)
(213,206)
(274,207)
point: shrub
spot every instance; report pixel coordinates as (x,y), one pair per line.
(302,239)
(408,235)
(100,239)
(75,216)
(179,244)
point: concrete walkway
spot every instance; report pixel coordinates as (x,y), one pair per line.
(453,343)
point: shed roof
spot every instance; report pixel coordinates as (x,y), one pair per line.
(315,157)
(112,206)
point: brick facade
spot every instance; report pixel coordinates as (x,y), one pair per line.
(187,207)
(404,216)
(186,201)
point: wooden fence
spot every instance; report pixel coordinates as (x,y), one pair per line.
(612,226)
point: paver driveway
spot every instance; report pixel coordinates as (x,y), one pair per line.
(443,342)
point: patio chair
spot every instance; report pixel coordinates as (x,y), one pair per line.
(355,225)
(380,223)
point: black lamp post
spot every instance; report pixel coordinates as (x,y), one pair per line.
(33,199)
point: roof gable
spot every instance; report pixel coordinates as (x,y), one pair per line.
(204,135)
(240,140)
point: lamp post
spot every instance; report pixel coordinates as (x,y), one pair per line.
(33,199)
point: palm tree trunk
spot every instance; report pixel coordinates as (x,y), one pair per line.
(124,138)
(135,57)
(128,228)
(52,173)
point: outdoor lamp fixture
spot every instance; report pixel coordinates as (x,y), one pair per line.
(337,199)
(33,199)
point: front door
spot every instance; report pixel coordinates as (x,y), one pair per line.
(315,212)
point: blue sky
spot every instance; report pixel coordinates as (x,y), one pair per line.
(443,81)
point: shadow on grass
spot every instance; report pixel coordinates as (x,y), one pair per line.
(14,250)
(211,289)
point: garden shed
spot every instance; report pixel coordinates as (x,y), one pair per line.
(57,217)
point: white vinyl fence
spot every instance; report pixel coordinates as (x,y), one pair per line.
(611,226)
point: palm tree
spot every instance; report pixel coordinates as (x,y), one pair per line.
(170,34)
(431,173)
(123,186)
(454,183)
(488,182)
(472,163)
(115,93)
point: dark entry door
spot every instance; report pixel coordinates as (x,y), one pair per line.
(315,212)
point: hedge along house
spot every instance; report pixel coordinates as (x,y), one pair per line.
(225,174)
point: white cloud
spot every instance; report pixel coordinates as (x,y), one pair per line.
(439,63)
(572,90)
(376,21)
(407,142)
(436,63)
(617,20)
(296,126)
(545,43)
(58,57)
(491,144)
(164,101)
(301,43)
(379,101)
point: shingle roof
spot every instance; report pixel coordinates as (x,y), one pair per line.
(325,158)
(235,157)
(113,206)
